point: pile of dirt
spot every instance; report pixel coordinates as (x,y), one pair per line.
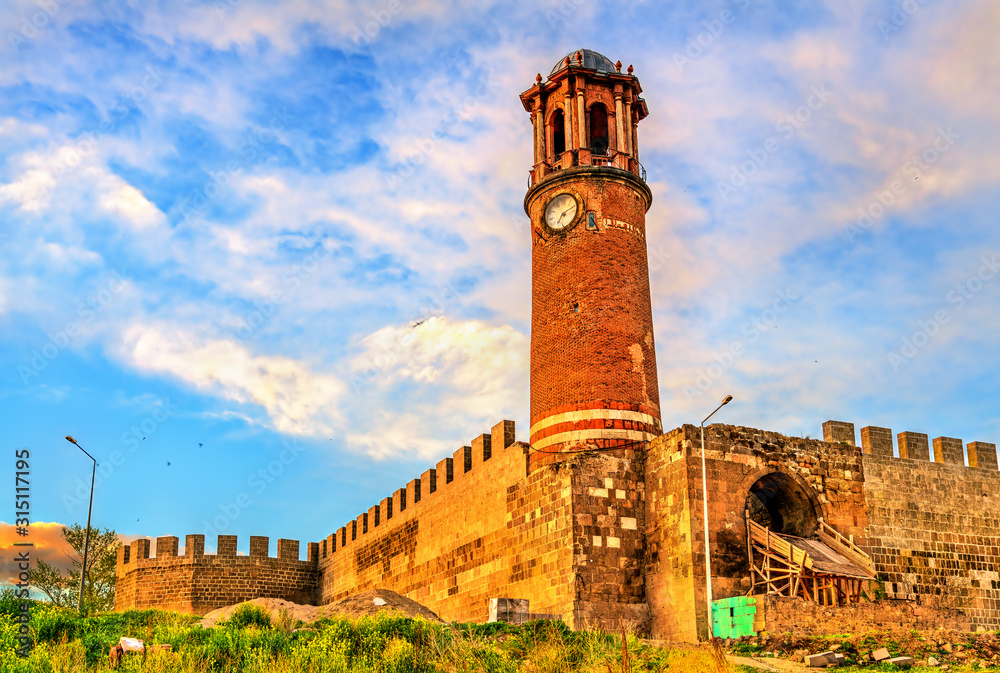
(366,603)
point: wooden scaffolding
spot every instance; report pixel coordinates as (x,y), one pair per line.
(830,571)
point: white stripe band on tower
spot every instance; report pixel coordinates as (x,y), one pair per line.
(593,433)
(595,414)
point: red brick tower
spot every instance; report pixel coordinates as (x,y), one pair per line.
(593,364)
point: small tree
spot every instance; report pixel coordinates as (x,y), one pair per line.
(64,589)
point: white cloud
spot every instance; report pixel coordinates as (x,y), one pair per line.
(466,376)
(31,192)
(297,400)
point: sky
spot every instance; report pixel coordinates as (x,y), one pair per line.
(222,221)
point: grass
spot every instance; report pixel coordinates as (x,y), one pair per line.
(250,641)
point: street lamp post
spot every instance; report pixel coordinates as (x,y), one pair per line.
(704,500)
(86,539)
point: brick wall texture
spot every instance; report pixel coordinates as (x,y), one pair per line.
(780,614)
(591,317)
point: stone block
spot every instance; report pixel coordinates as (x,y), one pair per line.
(428,482)
(481,449)
(288,549)
(463,460)
(445,470)
(881,654)
(140,549)
(982,454)
(259,546)
(166,546)
(502,435)
(948,451)
(226,545)
(821,660)
(838,431)
(902,662)
(194,546)
(510,610)
(876,441)
(413,491)
(913,445)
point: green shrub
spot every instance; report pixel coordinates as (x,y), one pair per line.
(249,614)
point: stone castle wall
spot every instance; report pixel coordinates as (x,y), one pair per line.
(473,528)
(818,479)
(595,538)
(197,583)
(935,533)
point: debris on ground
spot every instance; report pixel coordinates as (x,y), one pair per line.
(896,649)
(363,604)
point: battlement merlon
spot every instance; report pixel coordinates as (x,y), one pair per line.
(465,459)
(138,551)
(877,441)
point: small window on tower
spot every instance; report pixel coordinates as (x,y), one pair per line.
(591,221)
(598,129)
(576,308)
(558,133)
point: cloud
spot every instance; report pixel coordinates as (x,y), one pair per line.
(49,546)
(425,385)
(297,401)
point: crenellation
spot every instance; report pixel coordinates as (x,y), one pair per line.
(385,507)
(312,552)
(948,451)
(362,523)
(343,536)
(876,441)
(481,450)
(140,549)
(375,516)
(399,496)
(982,455)
(838,431)
(413,492)
(428,482)
(166,547)
(913,445)
(194,546)
(444,469)
(288,549)
(502,435)
(226,545)
(259,546)
(354,530)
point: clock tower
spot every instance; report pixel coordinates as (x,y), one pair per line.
(593,363)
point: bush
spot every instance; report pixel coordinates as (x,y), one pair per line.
(249,614)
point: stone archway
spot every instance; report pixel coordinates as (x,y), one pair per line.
(783,504)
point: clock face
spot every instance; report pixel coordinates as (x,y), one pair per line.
(561,212)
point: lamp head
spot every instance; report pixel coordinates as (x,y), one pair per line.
(729,398)
(69,438)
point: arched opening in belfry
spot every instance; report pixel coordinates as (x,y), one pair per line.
(558,133)
(779,503)
(598,128)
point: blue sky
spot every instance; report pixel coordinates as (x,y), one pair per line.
(221,220)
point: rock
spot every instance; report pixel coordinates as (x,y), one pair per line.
(948,648)
(821,660)
(931,661)
(902,662)
(881,654)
